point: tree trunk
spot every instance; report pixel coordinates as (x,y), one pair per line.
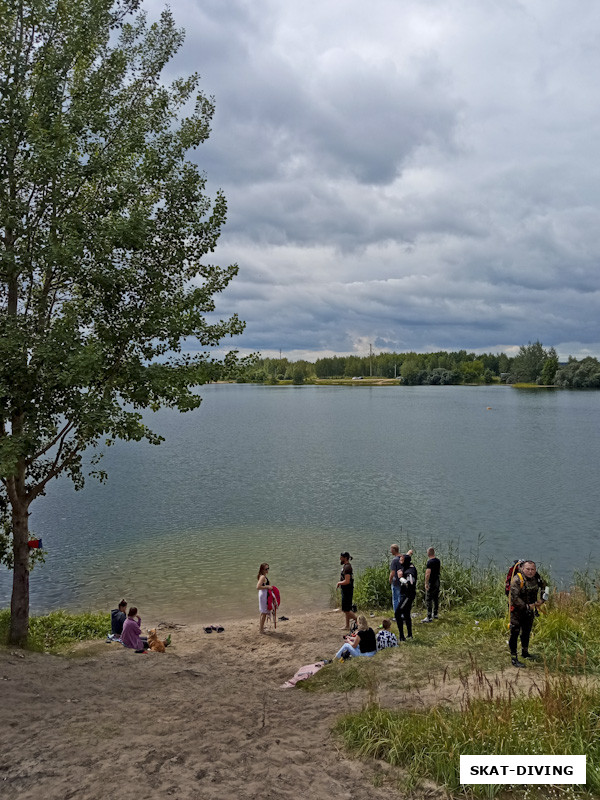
(19,606)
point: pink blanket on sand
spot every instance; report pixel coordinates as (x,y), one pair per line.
(302,674)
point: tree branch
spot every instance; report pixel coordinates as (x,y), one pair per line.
(56,469)
(60,436)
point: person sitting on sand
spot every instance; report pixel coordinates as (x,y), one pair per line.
(385,638)
(263,598)
(132,628)
(362,643)
(117,620)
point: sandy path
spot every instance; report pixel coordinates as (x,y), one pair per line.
(205,720)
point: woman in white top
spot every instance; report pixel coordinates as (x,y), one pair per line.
(263,595)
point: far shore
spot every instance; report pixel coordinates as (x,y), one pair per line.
(371,382)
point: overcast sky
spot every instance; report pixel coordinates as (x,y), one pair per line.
(414,174)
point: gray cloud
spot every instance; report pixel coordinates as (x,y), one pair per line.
(416,175)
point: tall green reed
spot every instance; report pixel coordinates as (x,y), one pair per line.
(558,716)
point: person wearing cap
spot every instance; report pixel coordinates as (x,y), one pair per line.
(408,590)
(346,585)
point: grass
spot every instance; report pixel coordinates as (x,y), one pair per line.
(556,710)
(52,632)
(357,673)
(532,386)
(560,716)
(567,636)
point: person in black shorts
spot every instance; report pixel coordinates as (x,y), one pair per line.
(432,585)
(346,585)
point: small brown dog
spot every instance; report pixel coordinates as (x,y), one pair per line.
(154,643)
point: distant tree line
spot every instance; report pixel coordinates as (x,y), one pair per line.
(533,364)
(584,374)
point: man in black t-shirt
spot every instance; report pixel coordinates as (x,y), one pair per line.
(346,585)
(432,585)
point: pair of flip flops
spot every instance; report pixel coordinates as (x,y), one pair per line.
(283,619)
(211,628)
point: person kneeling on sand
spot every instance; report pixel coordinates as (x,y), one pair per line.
(132,628)
(362,643)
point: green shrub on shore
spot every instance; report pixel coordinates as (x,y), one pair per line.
(372,587)
(567,635)
(587,582)
(560,717)
(58,629)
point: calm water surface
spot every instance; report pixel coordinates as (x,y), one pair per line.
(294,475)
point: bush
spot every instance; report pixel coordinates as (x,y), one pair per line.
(372,589)
(567,635)
(55,630)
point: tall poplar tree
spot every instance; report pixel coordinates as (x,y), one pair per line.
(103,227)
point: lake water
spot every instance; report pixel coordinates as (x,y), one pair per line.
(294,475)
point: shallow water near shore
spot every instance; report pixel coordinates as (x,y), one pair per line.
(293,475)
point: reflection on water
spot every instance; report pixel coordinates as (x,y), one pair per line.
(294,475)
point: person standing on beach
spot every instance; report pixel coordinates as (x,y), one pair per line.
(432,585)
(524,603)
(263,595)
(394,579)
(346,585)
(408,591)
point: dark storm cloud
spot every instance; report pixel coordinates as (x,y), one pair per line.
(416,175)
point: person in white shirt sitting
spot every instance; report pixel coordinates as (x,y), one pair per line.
(385,638)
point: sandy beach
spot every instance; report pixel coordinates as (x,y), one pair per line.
(207,719)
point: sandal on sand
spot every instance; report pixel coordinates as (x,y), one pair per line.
(208,629)
(283,619)
(218,628)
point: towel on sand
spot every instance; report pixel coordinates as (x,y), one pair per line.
(302,674)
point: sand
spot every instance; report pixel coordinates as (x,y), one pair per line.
(207,719)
